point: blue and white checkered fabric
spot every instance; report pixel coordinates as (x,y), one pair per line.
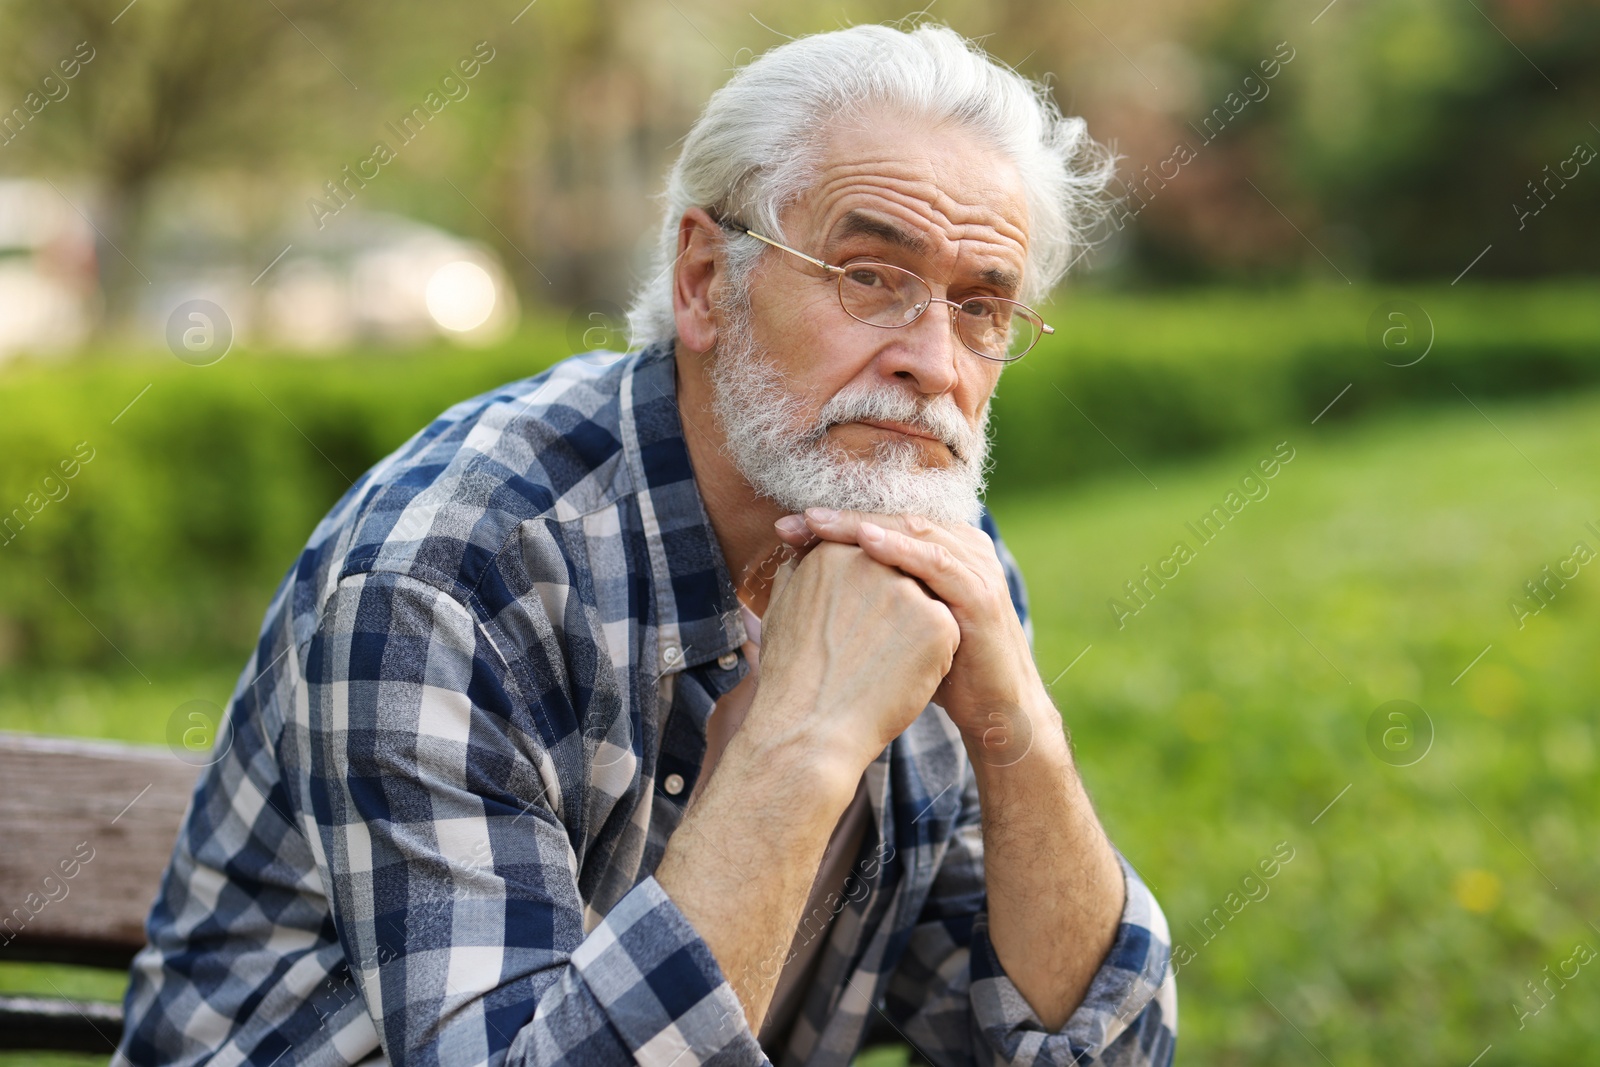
(431,836)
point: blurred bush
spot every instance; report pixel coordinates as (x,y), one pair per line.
(1135,377)
(190,507)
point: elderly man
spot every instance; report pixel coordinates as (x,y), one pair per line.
(678,707)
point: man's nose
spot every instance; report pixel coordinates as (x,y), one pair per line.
(927,352)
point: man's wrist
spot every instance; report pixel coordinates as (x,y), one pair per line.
(790,748)
(1026,737)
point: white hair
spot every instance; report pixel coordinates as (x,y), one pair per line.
(754,150)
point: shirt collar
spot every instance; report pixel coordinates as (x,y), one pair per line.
(698,615)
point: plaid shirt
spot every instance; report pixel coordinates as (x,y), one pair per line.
(453,763)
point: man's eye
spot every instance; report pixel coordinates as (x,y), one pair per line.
(865,276)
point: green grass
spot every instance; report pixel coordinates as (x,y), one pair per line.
(1224,718)
(121,705)
(1231,711)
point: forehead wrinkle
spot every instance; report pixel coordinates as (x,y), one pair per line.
(987,239)
(912,188)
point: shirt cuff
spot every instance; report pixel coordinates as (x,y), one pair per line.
(1135,971)
(658,983)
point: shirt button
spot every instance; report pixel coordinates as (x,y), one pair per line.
(673,784)
(729,661)
(669,655)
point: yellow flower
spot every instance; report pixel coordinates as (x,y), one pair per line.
(1477,890)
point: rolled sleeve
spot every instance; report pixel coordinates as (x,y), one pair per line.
(658,984)
(954,1002)
(1128,1016)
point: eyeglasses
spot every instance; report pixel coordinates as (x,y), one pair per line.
(881,294)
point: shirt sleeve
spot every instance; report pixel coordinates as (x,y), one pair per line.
(434,804)
(954,1003)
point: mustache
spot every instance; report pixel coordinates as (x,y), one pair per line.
(936,416)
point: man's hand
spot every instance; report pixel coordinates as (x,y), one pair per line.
(993,690)
(852,650)
(1055,888)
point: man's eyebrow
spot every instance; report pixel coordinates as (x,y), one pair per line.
(1007,281)
(859,224)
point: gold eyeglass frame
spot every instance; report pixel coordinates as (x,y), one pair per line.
(839,273)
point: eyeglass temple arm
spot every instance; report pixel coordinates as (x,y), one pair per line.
(785,248)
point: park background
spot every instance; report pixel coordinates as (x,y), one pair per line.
(1379,261)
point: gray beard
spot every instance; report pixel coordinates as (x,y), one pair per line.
(788,459)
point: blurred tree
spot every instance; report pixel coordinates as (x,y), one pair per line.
(1422,124)
(1400,140)
(578,172)
(171,84)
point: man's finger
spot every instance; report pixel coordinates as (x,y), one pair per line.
(845,526)
(934,565)
(794,531)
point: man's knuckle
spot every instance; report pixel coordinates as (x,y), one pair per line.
(908,598)
(929,611)
(830,553)
(948,629)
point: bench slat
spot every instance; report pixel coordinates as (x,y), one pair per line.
(59,1025)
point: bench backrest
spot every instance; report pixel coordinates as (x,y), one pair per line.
(87,830)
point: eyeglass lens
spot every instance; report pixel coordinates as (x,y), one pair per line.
(884,295)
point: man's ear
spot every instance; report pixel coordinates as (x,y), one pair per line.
(697,269)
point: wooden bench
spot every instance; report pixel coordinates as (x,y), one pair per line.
(88,829)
